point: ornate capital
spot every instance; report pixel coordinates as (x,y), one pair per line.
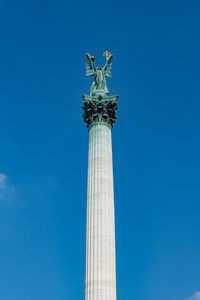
(100,109)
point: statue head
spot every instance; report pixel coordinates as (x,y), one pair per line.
(99,68)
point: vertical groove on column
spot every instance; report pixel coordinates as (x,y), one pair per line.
(100,217)
(110,211)
(102,223)
(87,226)
(97,210)
(93,215)
(90,216)
(92,220)
(90,284)
(110,229)
(113,221)
(106,219)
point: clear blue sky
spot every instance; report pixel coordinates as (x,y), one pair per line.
(44,144)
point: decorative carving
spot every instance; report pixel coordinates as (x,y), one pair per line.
(99,109)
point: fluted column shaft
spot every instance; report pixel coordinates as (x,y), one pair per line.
(100,275)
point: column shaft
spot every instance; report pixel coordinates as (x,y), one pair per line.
(100,275)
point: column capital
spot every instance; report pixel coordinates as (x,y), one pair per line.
(100,109)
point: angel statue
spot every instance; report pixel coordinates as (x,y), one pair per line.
(99,87)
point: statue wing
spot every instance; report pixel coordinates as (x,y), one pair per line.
(107,67)
(89,65)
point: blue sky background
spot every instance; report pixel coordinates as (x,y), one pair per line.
(44,144)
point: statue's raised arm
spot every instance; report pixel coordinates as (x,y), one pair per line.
(108,65)
(90,66)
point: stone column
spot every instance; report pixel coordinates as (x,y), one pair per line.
(100,274)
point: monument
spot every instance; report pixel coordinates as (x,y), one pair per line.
(100,115)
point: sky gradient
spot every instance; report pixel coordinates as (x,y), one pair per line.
(44,145)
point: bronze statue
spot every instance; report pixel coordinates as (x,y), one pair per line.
(99,86)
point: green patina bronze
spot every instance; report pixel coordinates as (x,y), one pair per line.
(99,106)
